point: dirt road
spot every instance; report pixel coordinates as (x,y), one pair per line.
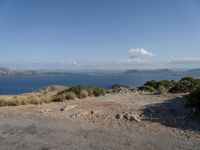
(92,124)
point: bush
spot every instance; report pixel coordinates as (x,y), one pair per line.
(80,92)
(98,92)
(160,86)
(162,89)
(194,100)
(146,88)
(167,84)
(83,94)
(58,98)
(70,96)
(185,85)
(152,83)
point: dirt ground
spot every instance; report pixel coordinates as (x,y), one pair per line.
(115,121)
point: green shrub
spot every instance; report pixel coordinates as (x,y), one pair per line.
(194,100)
(98,92)
(146,88)
(168,84)
(186,85)
(77,89)
(81,92)
(160,86)
(64,95)
(151,83)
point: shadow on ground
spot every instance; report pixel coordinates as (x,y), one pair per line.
(172,113)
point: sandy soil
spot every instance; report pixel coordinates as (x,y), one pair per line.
(159,122)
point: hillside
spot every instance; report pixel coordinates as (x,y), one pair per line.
(158,71)
(192,72)
(11,72)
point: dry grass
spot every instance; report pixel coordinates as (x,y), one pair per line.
(51,94)
(46,95)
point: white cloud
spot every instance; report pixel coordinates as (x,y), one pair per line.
(131,62)
(137,52)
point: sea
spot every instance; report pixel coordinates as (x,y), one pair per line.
(23,84)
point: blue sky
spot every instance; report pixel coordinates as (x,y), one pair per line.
(99,34)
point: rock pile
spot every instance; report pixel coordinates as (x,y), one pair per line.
(127,116)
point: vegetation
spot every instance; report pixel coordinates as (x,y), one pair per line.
(158,86)
(194,100)
(146,88)
(80,92)
(51,94)
(185,85)
(162,89)
(119,87)
(62,93)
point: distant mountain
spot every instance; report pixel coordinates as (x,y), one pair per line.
(192,72)
(158,71)
(10,72)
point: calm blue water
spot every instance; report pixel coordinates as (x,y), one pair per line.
(17,85)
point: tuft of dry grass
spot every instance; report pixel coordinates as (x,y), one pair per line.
(46,95)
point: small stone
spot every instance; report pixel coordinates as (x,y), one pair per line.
(134,118)
(92,112)
(118,116)
(62,109)
(73,116)
(66,108)
(127,116)
(131,117)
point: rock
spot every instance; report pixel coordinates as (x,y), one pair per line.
(127,116)
(131,117)
(92,112)
(74,115)
(62,109)
(118,116)
(66,108)
(136,118)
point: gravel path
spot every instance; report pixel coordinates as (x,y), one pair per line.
(25,127)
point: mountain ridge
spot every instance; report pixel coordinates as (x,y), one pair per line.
(12,72)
